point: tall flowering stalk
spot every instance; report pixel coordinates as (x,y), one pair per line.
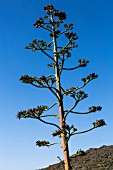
(58,54)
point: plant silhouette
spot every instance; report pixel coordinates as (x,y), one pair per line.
(53,23)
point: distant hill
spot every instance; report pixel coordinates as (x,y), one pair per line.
(93,159)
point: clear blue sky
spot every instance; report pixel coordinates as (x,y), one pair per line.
(93,22)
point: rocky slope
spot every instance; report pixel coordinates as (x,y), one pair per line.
(93,159)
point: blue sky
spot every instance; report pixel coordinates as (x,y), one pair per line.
(93,22)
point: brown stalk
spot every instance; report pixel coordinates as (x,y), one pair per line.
(60,104)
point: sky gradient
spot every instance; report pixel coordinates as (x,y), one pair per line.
(93,22)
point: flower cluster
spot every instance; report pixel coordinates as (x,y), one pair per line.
(70,91)
(56,33)
(80,95)
(77,95)
(65,129)
(39,23)
(83,62)
(42,81)
(89,78)
(99,123)
(42,143)
(70,128)
(32,113)
(37,45)
(41,43)
(66,52)
(57,133)
(72,44)
(53,65)
(27,79)
(71,35)
(95,108)
(68,26)
(49,9)
(60,15)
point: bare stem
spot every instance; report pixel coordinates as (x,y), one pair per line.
(84,131)
(48,87)
(45,53)
(71,108)
(62,64)
(60,101)
(52,105)
(46,28)
(51,115)
(49,123)
(79,112)
(66,45)
(73,68)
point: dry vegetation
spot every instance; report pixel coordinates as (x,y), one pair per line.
(95,159)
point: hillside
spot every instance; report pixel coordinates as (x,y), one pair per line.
(93,159)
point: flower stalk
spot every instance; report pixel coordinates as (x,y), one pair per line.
(58,54)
